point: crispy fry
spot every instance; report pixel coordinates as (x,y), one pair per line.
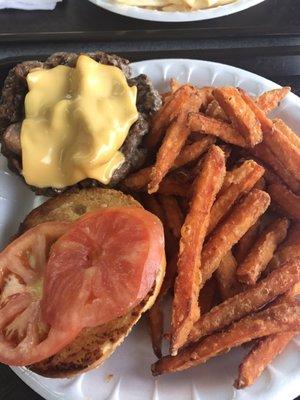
(246,242)
(262,152)
(208,295)
(288,249)
(287,201)
(171,187)
(193,151)
(268,348)
(252,172)
(156,325)
(225,274)
(275,319)
(226,148)
(215,111)
(294,291)
(285,150)
(237,223)
(185,309)
(271,177)
(262,354)
(277,282)
(240,114)
(287,131)
(151,204)
(201,123)
(280,145)
(186,99)
(237,174)
(173,213)
(165,97)
(174,85)
(138,180)
(173,142)
(271,99)
(262,251)
(165,115)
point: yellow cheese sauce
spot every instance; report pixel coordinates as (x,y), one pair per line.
(76,120)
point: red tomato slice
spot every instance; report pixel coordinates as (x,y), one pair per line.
(102,267)
(24,337)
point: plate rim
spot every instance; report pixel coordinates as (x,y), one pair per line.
(30,378)
(177,16)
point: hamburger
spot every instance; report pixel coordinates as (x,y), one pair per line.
(18,106)
(85,266)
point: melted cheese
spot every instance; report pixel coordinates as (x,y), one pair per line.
(76,120)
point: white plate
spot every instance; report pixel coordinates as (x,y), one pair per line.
(130,364)
(177,16)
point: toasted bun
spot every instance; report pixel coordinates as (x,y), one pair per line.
(94,345)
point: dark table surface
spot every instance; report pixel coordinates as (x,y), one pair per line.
(81,20)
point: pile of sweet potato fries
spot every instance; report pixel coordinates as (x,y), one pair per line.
(224,179)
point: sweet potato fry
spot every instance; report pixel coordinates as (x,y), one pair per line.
(152,204)
(193,151)
(265,351)
(166,114)
(271,99)
(235,225)
(208,295)
(252,172)
(185,309)
(138,180)
(201,123)
(165,97)
(276,283)
(288,249)
(226,277)
(186,99)
(287,131)
(270,176)
(174,85)
(156,325)
(171,187)
(263,152)
(280,145)
(173,213)
(226,148)
(287,201)
(215,111)
(244,245)
(285,150)
(173,142)
(240,114)
(262,251)
(237,174)
(262,354)
(278,318)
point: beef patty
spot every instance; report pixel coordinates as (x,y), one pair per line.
(12,114)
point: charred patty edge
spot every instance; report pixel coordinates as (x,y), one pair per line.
(12,114)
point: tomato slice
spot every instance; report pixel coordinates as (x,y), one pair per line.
(103,266)
(24,337)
